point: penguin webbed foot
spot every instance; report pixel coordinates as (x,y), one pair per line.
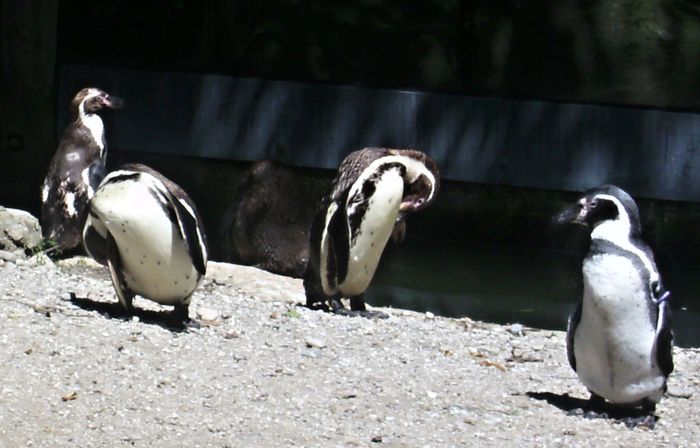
(362,313)
(594,408)
(358,309)
(643,421)
(180,317)
(633,417)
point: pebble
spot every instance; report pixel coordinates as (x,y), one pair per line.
(208,314)
(516,329)
(315,343)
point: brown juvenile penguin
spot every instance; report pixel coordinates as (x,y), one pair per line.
(76,169)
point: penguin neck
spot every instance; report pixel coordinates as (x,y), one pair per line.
(94,124)
(619,232)
(616,231)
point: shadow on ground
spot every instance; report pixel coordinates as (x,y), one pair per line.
(115,310)
(577,407)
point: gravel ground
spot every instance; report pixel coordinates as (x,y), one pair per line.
(263,371)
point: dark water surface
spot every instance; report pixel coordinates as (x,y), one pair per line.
(533,287)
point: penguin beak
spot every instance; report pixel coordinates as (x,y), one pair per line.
(113,102)
(418,195)
(575,214)
(410,205)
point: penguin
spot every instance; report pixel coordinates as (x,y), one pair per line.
(76,169)
(372,193)
(148,231)
(619,337)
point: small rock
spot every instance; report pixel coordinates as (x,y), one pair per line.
(516,329)
(315,343)
(79,260)
(8,256)
(207,314)
(312,353)
(674,391)
(18,229)
(429,315)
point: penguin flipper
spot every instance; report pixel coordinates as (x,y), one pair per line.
(95,244)
(189,223)
(574,320)
(114,262)
(339,243)
(664,339)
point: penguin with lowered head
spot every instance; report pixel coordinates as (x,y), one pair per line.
(619,337)
(76,169)
(373,191)
(149,233)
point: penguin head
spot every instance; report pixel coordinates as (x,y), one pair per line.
(607,209)
(421,179)
(91,100)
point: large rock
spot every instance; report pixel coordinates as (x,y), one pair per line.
(18,230)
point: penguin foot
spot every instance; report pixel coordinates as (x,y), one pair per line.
(592,409)
(643,421)
(587,413)
(180,317)
(361,313)
(317,306)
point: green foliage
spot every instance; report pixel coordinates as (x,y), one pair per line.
(46,248)
(292,313)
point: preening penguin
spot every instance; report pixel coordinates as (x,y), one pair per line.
(76,169)
(149,233)
(374,189)
(619,338)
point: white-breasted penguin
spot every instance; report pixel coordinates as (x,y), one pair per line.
(148,231)
(374,189)
(619,338)
(76,169)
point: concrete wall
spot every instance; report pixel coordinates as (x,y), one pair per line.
(650,153)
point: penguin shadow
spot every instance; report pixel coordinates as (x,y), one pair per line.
(367,314)
(577,407)
(114,310)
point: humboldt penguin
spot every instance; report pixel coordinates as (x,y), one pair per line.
(148,231)
(76,169)
(268,223)
(372,193)
(619,338)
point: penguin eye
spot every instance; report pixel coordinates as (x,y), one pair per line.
(594,203)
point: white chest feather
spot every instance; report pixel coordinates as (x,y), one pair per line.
(614,342)
(374,231)
(154,257)
(94,124)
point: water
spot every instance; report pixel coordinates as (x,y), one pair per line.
(536,288)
